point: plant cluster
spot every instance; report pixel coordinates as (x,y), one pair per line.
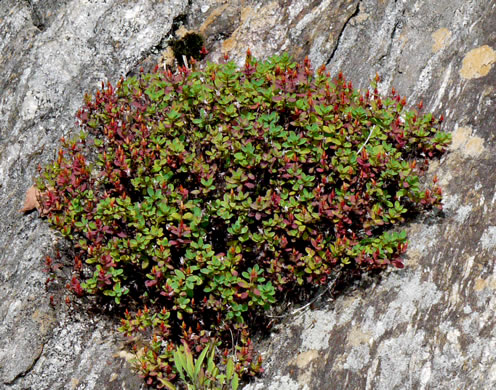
(197,376)
(209,194)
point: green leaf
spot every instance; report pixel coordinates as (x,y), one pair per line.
(235,382)
(199,361)
(189,365)
(180,363)
(167,384)
(229,368)
(176,216)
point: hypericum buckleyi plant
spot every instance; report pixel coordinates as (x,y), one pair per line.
(198,199)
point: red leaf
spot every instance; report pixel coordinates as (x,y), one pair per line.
(398,263)
(243,284)
(150,283)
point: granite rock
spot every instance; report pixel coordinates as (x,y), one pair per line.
(430,325)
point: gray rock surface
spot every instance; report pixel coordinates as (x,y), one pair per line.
(52,52)
(430,325)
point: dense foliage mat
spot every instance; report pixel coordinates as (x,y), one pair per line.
(201,198)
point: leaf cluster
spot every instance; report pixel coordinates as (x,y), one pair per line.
(198,376)
(209,194)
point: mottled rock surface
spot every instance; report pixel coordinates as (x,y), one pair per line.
(52,52)
(428,326)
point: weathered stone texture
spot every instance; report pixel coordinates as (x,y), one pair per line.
(430,325)
(51,53)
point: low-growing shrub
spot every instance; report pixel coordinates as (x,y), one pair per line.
(200,199)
